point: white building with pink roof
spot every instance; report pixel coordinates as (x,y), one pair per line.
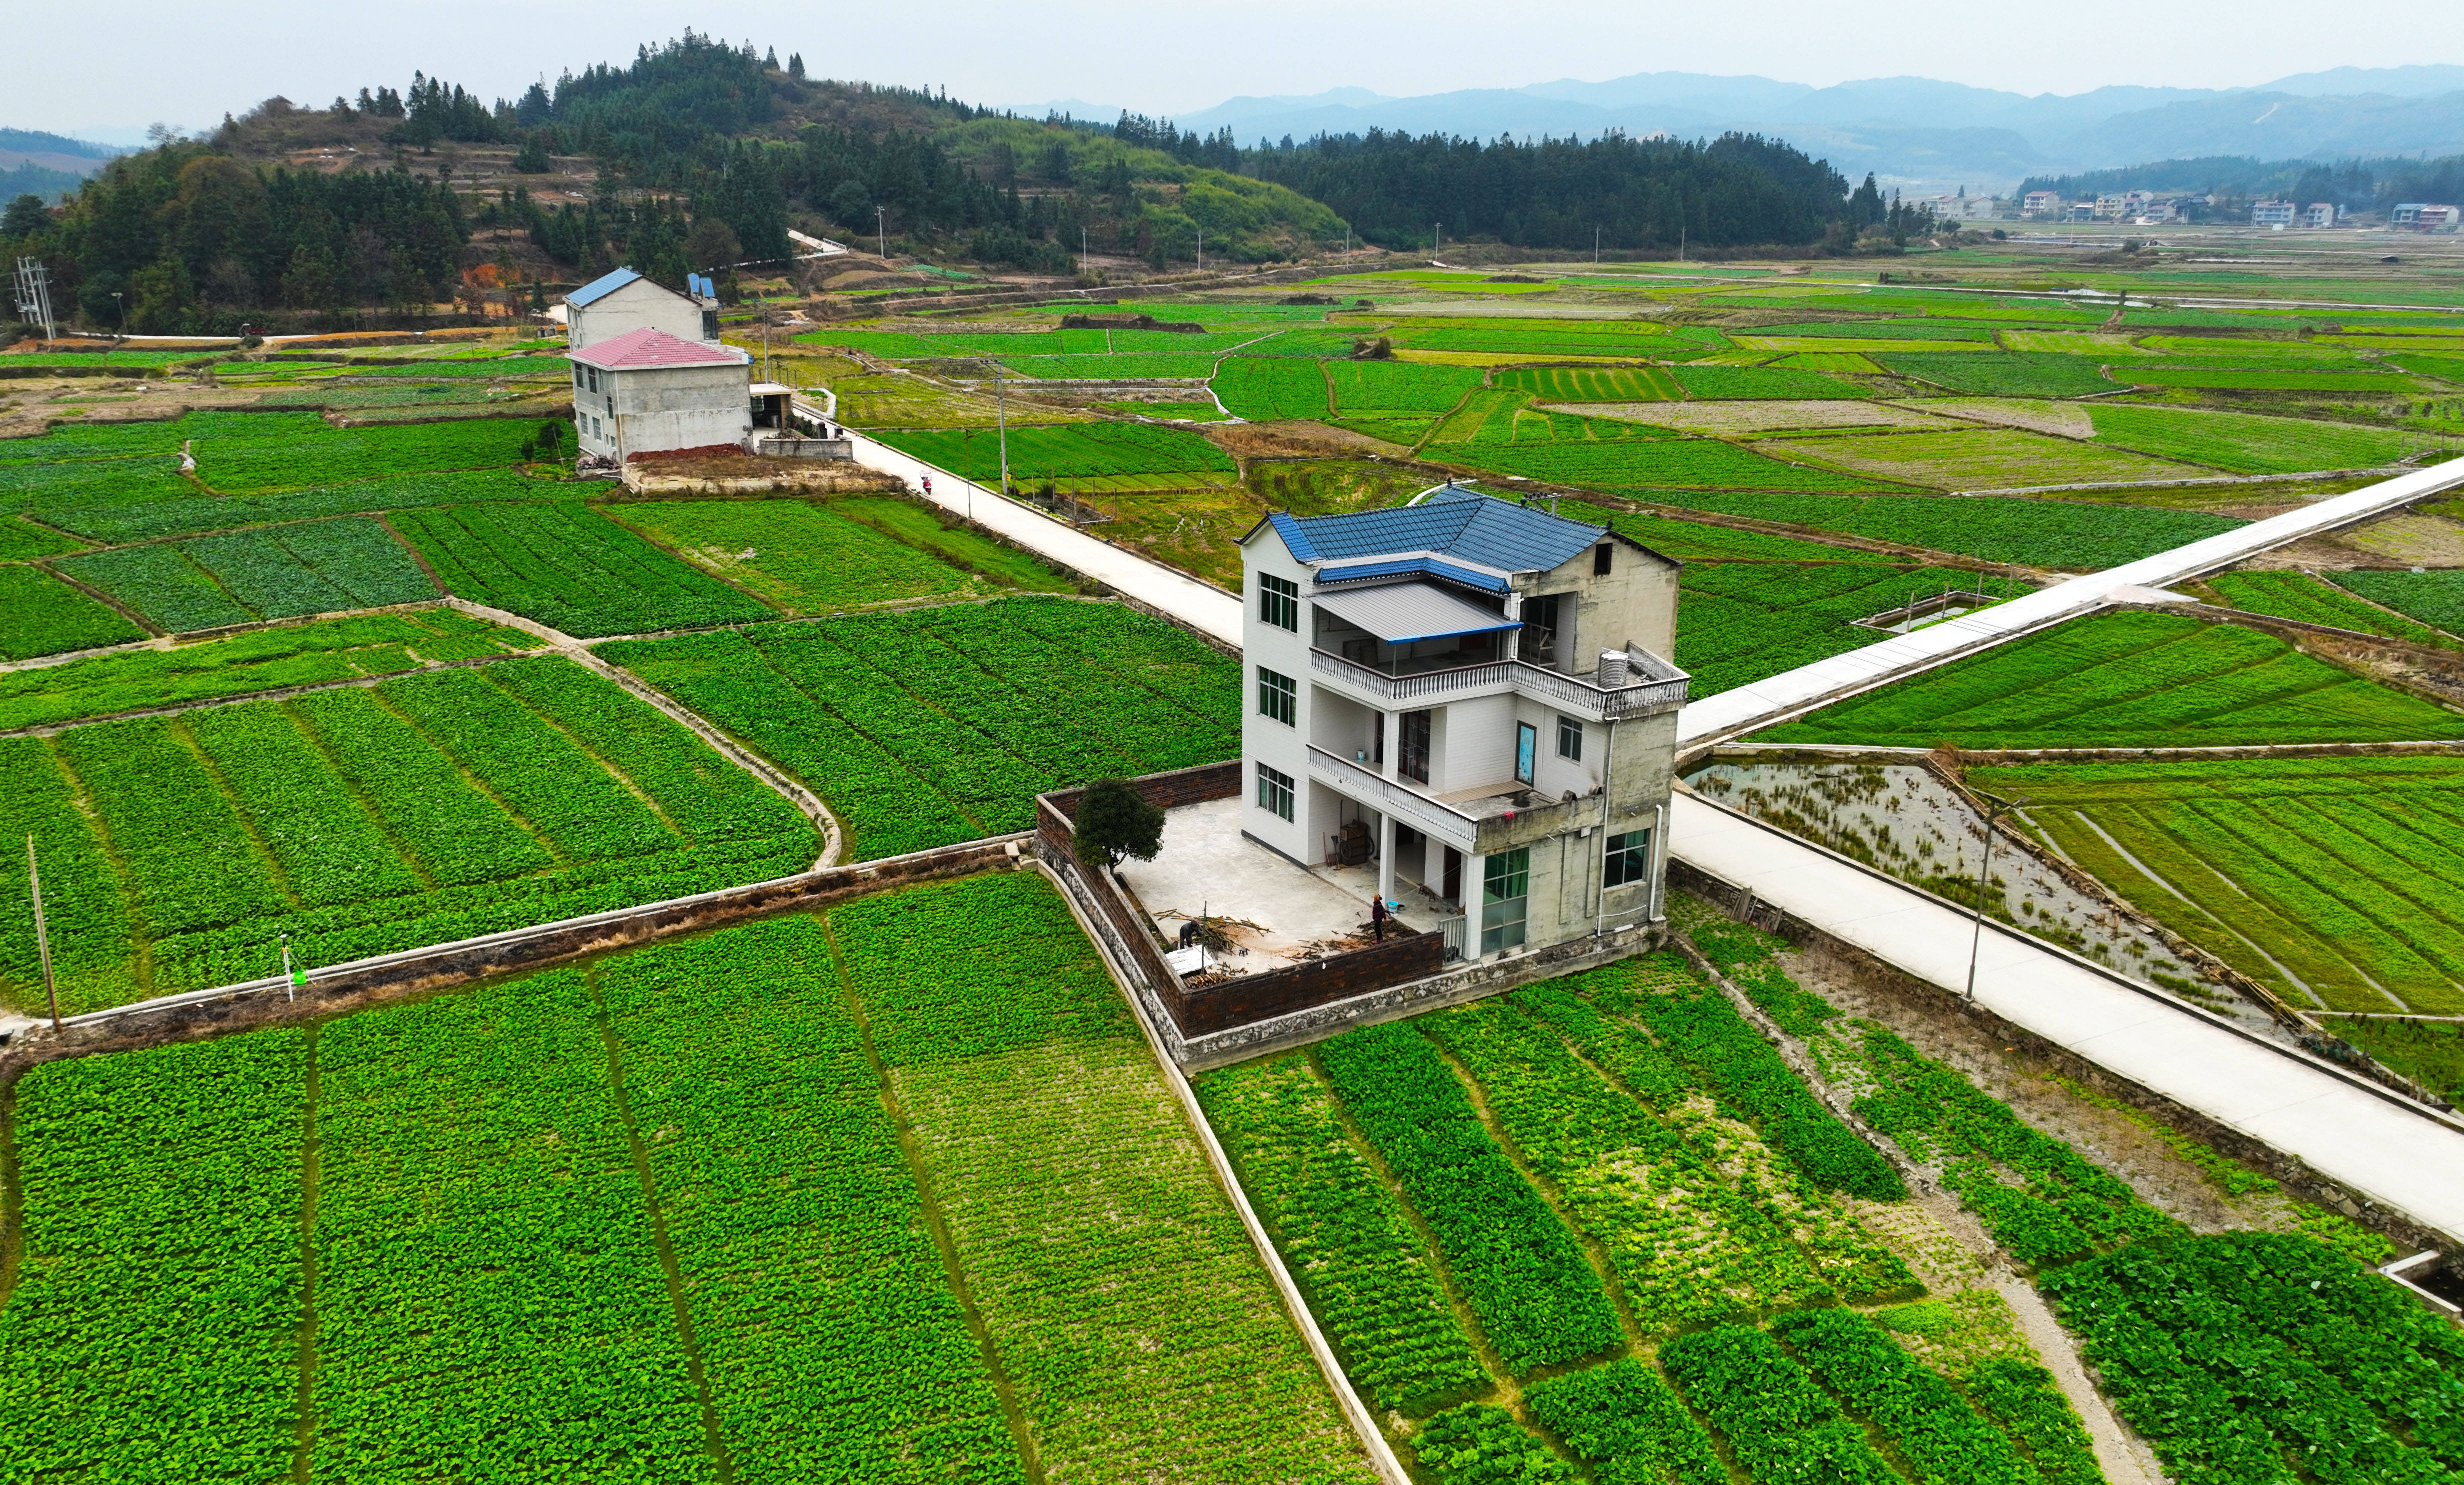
(648,392)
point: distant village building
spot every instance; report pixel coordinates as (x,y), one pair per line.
(2040,203)
(1475,697)
(2423,216)
(2278,214)
(2321,213)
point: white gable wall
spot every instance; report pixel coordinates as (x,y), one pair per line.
(638,305)
(657,410)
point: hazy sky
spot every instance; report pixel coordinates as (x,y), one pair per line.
(187,63)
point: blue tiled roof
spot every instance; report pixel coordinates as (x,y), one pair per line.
(1464,523)
(1432,567)
(598,288)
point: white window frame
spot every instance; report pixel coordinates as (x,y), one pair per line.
(1278,601)
(1279,697)
(1278,792)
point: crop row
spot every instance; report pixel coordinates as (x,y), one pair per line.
(153,1324)
(2247,443)
(1071,450)
(569,569)
(431,808)
(1699,1224)
(1741,622)
(2131,680)
(2036,533)
(22,541)
(1781,1426)
(942,725)
(1267,389)
(1710,382)
(1118,1291)
(804,557)
(2258,1359)
(1519,1270)
(2341,878)
(1344,1236)
(832,1342)
(184,510)
(1727,1055)
(1642,462)
(278,572)
(1398,386)
(40,615)
(2001,374)
(1928,1422)
(2300,595)
(1570,384)
(488,1288)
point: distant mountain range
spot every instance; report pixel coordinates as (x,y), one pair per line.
(1915,133)
(32,163)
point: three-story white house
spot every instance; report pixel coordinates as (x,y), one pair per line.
(1475,695)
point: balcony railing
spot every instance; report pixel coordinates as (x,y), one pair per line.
(1658,687)
(1438,821)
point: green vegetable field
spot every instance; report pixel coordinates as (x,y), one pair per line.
(2129,679)
(2298,596)
(941,725)
(2330,880)
(278,573)
(2076,535)
(1739,622)
(327,652)
(361,820)
(858,1238)
(802,557)
(1631,1110)
(569,569)
(1076,454)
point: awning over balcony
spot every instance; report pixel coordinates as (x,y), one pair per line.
(1407,612)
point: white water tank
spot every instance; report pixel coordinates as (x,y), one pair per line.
(1612,664)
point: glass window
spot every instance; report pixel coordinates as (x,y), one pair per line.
(1279,602)
(1505,896)
(1274,791)
(1629,858)
(1278,697)
(577,373)
(1526,752)
(1540,630)
(1570,738)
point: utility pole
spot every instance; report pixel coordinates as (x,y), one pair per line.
(882,214)
(290,976)
(1081,252)
(42,934)
(1595,247)
(1001,400)
(121,304)
(1994,809)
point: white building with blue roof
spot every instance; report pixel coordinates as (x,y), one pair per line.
(623,301)
(1476,696)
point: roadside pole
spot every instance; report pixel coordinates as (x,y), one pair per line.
(1000,400)
(42,934)
(1995,809)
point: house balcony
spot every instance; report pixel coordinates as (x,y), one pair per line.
(1652,685)
(1477,821)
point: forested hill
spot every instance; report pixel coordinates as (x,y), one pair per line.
(1741,191)
(697,154)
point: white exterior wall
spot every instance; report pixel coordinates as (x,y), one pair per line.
(638,305)
(655,409)
(1263,738)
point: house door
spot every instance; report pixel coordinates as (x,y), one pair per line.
(1504,900)
(1451,889)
